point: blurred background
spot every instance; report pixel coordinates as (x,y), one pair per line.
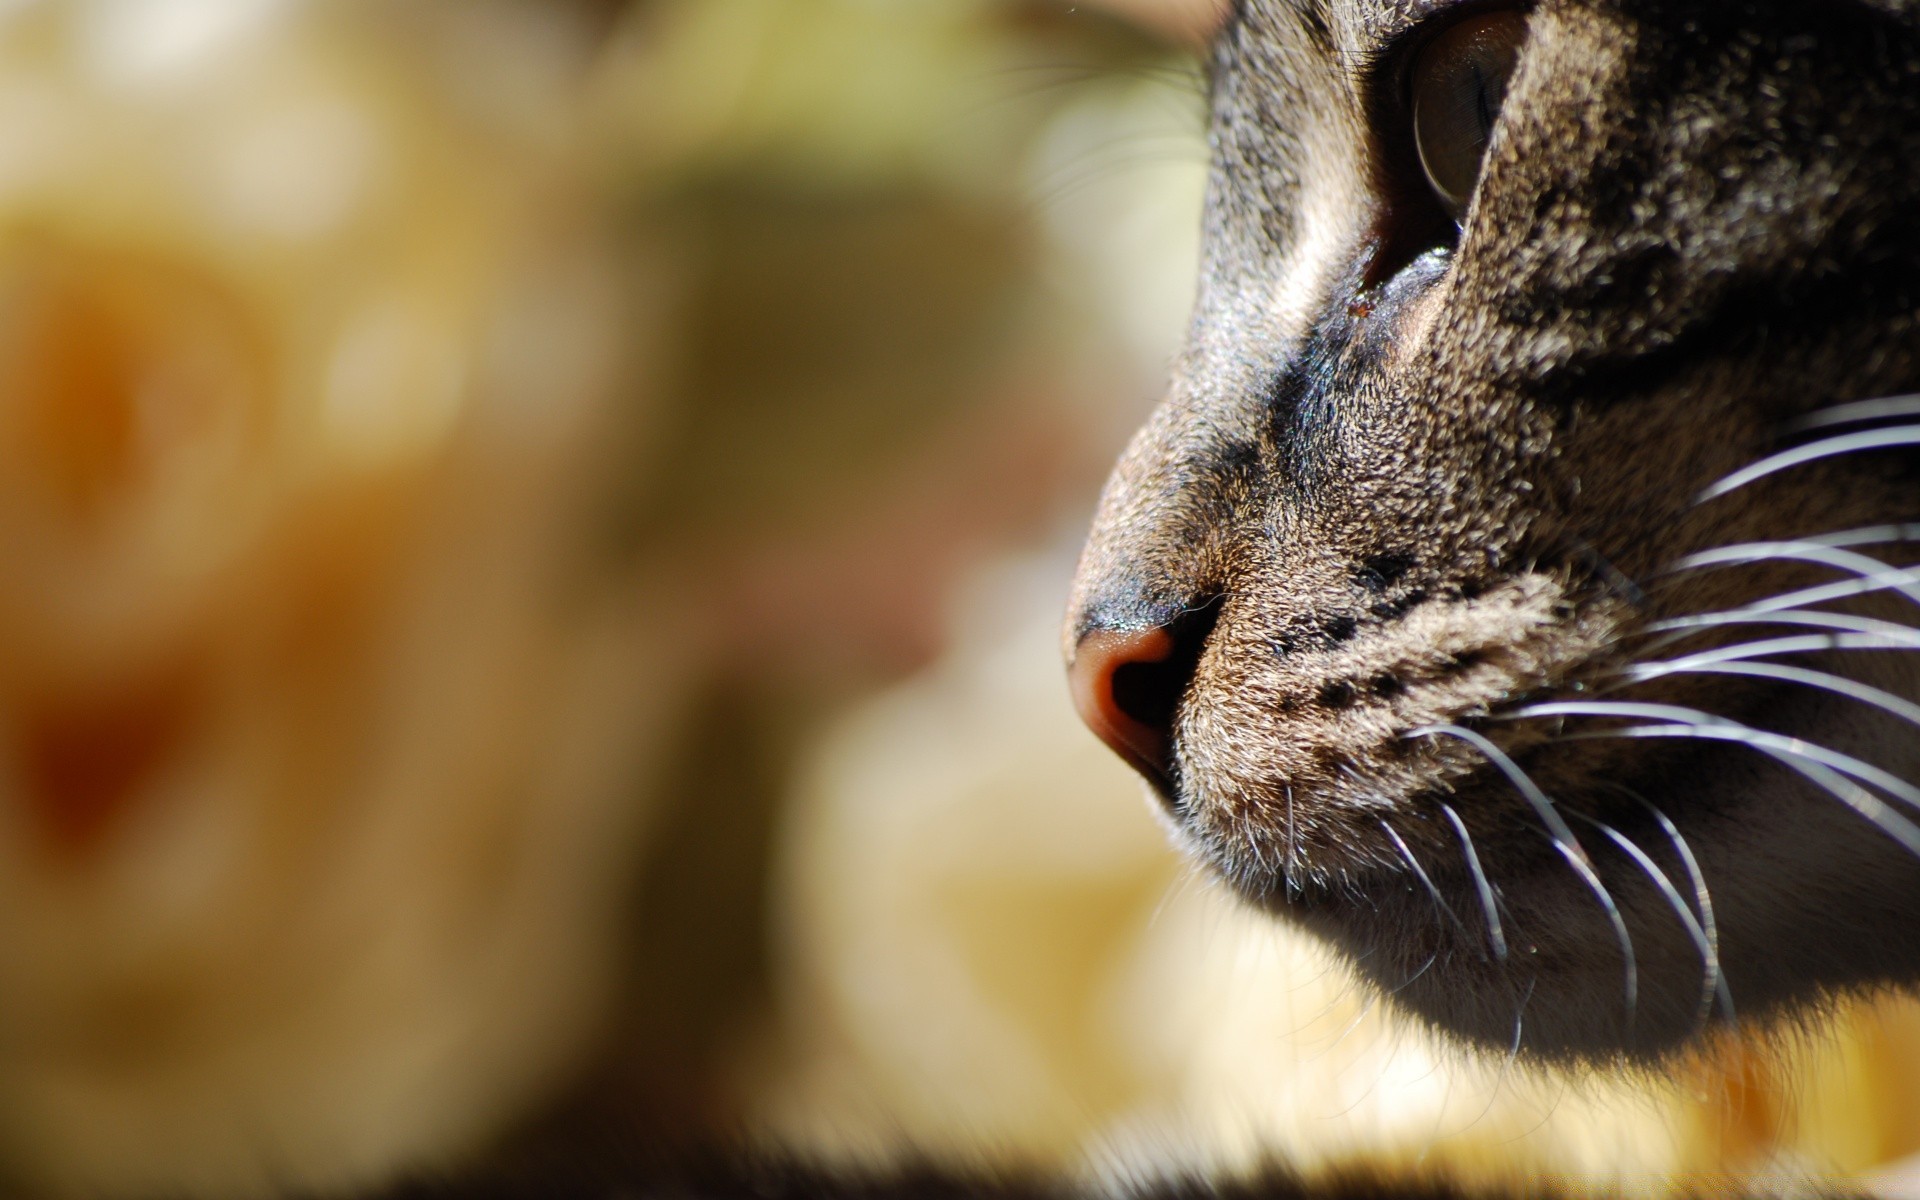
(531,538)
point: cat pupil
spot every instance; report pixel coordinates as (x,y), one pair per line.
(1485,107)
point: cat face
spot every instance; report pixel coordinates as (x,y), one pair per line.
(1448,599)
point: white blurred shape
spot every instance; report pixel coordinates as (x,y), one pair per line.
(295,170)
(966,870)
(135,42)
(1896,1181)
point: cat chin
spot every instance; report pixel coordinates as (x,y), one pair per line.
(1788,897)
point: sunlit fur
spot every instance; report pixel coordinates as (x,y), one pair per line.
(1429,511)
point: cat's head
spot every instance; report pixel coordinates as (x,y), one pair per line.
(1444,599)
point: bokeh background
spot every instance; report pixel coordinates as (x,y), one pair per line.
(531,535)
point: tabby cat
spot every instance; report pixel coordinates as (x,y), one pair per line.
(1503,592)
(1513,588)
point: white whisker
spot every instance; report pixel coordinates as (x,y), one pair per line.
(1860,410)
(1846,443)
(1406,853)
(1865,566)
(1709,955)
(1906,710)
(1845,622)
(1816,762)
(1675,631)
(1799,644)
(1868,535)
(1820,593)
(1875,810)
(1723,729)
(1293,848)
(1562,838)
(1716,982)
(1481,883)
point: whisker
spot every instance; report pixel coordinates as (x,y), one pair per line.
(1359,1018)
(1724,729)
(1868,535)
(1421,873)
(1840,685)
(1773,743)
(1675,631)
(1709,962)
(1702,894)
(1840,558)
(1506,1062)
(1480,882)
(1801,644)
(1617,581)
(1839,590)
(1670,632)
(1811,760)
(1877,812)
(1562,838)
(1845,622)
(1414,978)
(1846,443)
(1542,803)
(1192,871)
(1251,838)
(1513,1052)
(1860,410)
(1293,847)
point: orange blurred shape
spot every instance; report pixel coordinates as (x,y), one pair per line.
(111,364)
(119,377)
(83,377)
(85,755)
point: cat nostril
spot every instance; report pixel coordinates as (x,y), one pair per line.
(1127,685)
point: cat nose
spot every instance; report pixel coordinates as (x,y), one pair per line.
(1127,684)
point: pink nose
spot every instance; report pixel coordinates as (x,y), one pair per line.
(1127,685)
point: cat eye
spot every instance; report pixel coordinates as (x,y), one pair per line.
(1457,84)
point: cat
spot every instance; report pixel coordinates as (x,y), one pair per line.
(1504,591)
(1497,594)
